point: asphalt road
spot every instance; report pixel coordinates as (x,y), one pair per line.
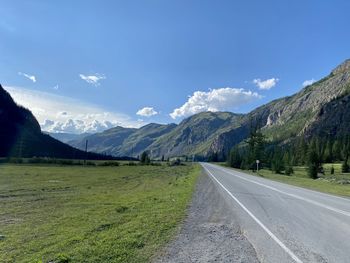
(286,223)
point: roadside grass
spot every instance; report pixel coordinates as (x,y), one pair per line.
(332,184)
(51,213)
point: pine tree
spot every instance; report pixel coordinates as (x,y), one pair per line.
(313,161)
(145,158)
(337,150)
(256,143)
(277,162)
(328,152)
(235,159)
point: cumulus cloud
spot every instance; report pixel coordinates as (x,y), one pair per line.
(308,82)
(30,77)
(63,114)
(93,79)
(147,112)
(265,84)
(76,126)
(214,100)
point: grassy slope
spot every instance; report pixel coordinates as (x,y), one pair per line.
(90,214)
(327,184)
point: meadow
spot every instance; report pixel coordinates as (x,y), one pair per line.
(75,213)
(337,183)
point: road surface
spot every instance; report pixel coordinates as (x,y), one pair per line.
(285,223)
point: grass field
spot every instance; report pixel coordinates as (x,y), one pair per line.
(56,213)
(333,184)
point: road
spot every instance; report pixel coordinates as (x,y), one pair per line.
(285,223)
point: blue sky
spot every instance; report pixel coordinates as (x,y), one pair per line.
(114,58)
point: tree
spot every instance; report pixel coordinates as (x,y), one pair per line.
(328,152)
(288,164)
(235,158)
(213,157)
(345,166)
(332,170)
(301,151)
(145,158)
(337,150)
(277,162)
(313,161)
(256,143)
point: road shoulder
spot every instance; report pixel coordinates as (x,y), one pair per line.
(210,232)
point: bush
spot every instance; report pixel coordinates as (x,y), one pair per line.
(345,167)
(62,258)
(277,166)
(175,162)
(131,163)
(313,171)
(289,170)
(108,163)
(15,160)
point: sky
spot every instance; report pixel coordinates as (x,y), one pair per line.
(86,66)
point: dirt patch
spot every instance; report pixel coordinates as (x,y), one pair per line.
(210,232)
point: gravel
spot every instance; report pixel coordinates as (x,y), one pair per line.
(210,232)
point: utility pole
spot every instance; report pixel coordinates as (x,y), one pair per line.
(86,153)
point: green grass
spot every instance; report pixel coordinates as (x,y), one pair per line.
(90,214)
(327,184)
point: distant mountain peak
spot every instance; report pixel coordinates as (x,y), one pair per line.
(342,68)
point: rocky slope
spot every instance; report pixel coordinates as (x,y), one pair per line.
(299,114)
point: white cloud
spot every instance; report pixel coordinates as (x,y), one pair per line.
(92,79)
(265,84)
(147,112)
(30,77)
(308,82)
(214,100)
(63,114)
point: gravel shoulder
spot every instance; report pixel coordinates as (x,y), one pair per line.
(210,232)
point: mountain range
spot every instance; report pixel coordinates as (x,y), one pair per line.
(320,109)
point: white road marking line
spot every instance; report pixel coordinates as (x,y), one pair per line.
(279,242)
(345,213)
(299,187)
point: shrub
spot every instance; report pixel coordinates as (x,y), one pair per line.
(175,162)
(62,258)
(108,163)
(289,170)
(345,167)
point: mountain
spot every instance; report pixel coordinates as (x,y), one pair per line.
(121,141)
(67,137)
(320,109)
(20,134)
(301,114)
(193,135)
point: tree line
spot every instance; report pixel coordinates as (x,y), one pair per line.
(300,151)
